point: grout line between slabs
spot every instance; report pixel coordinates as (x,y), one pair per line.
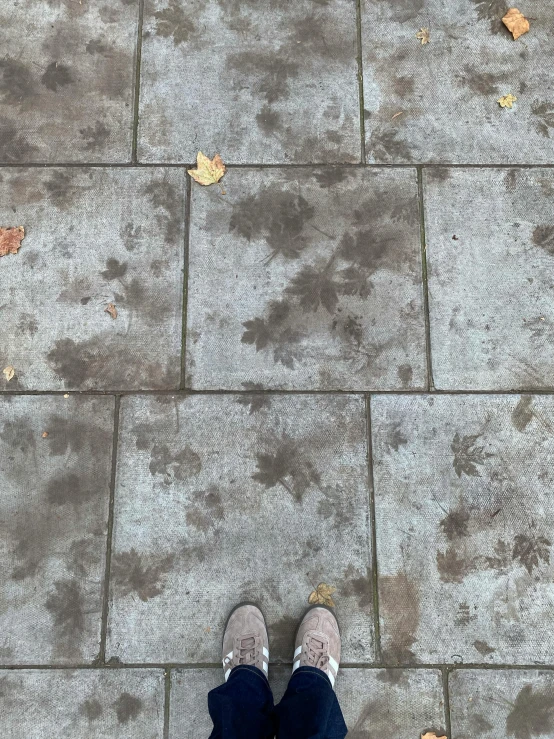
(359,57)
(169,666)
(106,586)
(167,699)
(446,694)
(425,282)
(544,392)
(374,565)
(282,165)
(184,313)
(136,98)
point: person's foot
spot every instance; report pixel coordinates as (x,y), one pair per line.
(318,642)
(245,640)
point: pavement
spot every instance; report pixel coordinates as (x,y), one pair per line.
(334,366)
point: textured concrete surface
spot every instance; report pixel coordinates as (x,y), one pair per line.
(106,704)
(376,261)
(306,280)
(375,703)
(464,521)
(494,705)
(446,91)
(490,242)
(66,80)
(232,497)
(54,494)
(93,237)
(228,75)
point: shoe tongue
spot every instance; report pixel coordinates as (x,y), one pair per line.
(248,643)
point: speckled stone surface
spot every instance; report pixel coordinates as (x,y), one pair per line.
(376,262)
(464,520)
(66,80)
(54,493)
(96,704)
(233,491)
(490,246)
(229,75)
(306,280)
(93,237)
(437,102)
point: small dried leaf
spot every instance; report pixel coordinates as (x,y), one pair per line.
(423,36)
(8,372)
(10,240)
(516,22)
(45,434)
(111,309)
(432,735)
(209,171)
(506,101)
(321,596)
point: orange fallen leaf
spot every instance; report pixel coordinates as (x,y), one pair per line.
(516,22)
(208,171)
(111,309)
(44,434)
(10,240)
(8,372)
(423,36)
(321,596)
(432,735)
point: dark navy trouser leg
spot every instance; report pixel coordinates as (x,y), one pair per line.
(242,708)
(310,709)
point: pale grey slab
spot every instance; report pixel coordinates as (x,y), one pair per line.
(464,520)
(490,242)
(66,80)
(306,279)
(494,704)
(438,102)
(259,81)
(375,703)
(54,493)
(222,499)
(93,236)
(82,704)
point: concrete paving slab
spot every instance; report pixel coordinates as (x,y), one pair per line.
(306,280)
(54,493)
(437,102)
(66,80)
(495,704)
(94,236)
(402,703)
(490,242)
(463,521)
(220,500)
(96,704)
(259,81)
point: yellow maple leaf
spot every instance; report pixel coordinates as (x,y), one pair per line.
(516,23)
(8,372)
(321,596)
(208,171)
(506,101)
(423,36)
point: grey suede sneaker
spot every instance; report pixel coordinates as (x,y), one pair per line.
(318,642)
(245,640)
